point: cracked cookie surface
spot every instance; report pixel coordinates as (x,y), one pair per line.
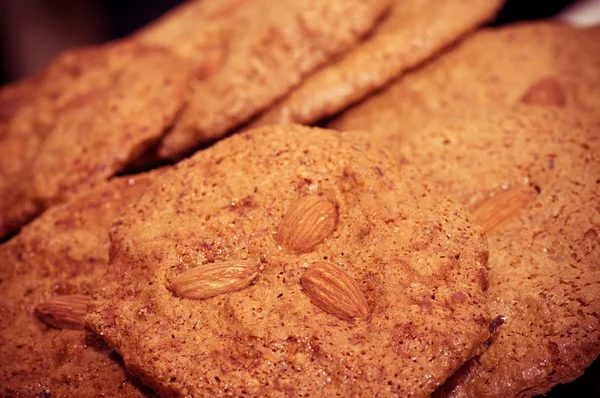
(530,175)
(94,110)
(494,66)
(325,267)
(61,257)
(249,53)
(413,31)
(544,276)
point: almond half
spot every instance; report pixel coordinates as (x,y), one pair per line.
(502,207)
(308,222)
(209,280)
(331,289)
(546,91)
(64,312)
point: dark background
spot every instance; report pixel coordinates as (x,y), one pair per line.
(33,31)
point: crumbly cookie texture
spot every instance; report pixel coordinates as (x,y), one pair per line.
(94,110)
(249,53)
(414,31)
(494,66)
(290,260)
(530,175)
(49,271)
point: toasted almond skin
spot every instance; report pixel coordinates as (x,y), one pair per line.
(502,207)
(64,312)
(331,289)
(209,280)
(546,91)
(308,222)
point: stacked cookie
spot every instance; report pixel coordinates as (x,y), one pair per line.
(441,237)
(520,150)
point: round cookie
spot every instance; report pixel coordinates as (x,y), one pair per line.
(413,31)
(530,175)
(494,66)
(54,264)
(296,261)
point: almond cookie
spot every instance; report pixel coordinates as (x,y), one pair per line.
(530,176)
(414,31)
(48,273)
(249,53)
(296,261)
(541,63)
(95,110)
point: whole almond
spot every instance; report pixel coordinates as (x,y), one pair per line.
(331,289)
(500,208)
(209,280)
(546,91)
(308,222)
(64,312)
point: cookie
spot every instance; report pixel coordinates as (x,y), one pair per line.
(504,65)
(293,261)
(95,110)
(249,53)
(414,31)
(49,271)
(530,175)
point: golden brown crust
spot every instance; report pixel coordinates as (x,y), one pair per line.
(414,31)
(98,109)
(494,66)
(511,110)
(398,309)
(249,53)
(544,281)
(64,252)
(95,109)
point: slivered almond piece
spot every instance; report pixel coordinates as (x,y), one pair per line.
(331,289)
(501,207)
(64,312)
(308,222)
(209,280)
(546,91)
